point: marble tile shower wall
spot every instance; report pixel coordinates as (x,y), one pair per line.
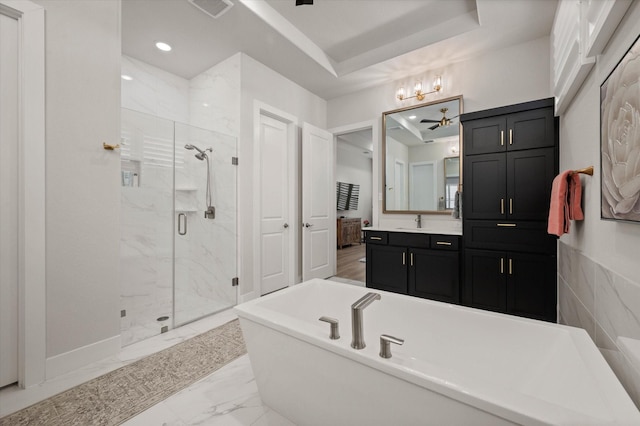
(607,306)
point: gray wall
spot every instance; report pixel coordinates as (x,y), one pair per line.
(599,271)
(82,191)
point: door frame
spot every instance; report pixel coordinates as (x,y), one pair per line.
(31,203)
(375,126)
(261,108)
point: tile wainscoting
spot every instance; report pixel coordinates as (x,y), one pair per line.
(607,306)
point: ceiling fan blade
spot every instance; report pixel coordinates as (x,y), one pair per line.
(426,120)
(434,126)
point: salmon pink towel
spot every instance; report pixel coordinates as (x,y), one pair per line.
(566,196)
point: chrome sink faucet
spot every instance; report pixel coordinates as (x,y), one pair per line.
(356,319)
(419,221)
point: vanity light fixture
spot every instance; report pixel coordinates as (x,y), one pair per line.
(163,46)
(417,90)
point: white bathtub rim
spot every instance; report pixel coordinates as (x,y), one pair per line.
(506,403)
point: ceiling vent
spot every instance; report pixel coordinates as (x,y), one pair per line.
(213,8)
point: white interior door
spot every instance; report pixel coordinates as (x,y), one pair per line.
(318,203)
(422,184)
(8,200)
(274,205)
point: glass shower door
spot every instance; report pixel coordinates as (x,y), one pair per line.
(204,223)
(146,244)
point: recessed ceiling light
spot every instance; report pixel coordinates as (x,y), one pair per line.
(206,105)
(412,117)
(126,77)
(163,46)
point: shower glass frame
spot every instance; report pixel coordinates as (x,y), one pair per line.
(169,279)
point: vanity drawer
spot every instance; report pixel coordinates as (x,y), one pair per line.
(376,237)
(519,236)
(416,240)
(445,242)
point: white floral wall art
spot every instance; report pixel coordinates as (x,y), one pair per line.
(620,139)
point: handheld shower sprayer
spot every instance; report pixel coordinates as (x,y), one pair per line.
(201,155)
(210,212)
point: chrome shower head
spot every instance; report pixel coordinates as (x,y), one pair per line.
(201,156)
(191,147)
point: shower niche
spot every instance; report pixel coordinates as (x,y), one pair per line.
(174,262)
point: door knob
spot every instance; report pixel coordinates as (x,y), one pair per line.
(307,225)
(285,226)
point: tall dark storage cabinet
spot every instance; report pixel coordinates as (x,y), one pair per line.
(510,160)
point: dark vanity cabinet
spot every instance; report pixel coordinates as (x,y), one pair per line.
(518,283)
(510,161)
(417,264)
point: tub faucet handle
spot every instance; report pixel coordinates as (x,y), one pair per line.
(385,345)
(334,333)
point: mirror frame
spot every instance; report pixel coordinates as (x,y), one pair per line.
(384,155)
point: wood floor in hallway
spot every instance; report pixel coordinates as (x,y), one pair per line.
(348,262)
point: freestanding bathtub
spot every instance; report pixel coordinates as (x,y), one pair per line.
(458,366)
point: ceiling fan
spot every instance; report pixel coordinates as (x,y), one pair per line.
(444,121)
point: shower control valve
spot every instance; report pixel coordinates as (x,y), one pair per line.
(210,213)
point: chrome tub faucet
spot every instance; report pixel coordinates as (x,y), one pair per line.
(356,319)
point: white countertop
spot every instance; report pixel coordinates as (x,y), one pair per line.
(429,230)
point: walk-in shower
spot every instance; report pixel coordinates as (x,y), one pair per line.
(176,265)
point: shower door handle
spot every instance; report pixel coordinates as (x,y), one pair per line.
(182,220)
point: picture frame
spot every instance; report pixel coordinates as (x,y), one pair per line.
(620,139)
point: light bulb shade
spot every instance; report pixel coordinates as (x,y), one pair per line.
(437,83)
(418,87)
(400,93)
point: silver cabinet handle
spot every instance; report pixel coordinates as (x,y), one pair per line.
(180,222)
(285,226)
(443,243)
(385,344)
(334,333)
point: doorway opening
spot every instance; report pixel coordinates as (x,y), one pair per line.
(354,165)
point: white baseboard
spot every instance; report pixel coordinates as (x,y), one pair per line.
(246,297)
(77,358)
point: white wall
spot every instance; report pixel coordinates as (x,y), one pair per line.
(352,166)
(599,284)
(515,74)
(259,83)
(82,194)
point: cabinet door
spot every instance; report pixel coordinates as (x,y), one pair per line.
(531,285)
(530,129)
(484,135)
(485,280)
(434,274)
(529,178)
(484,194)
(387,268)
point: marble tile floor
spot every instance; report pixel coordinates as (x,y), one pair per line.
(229,396)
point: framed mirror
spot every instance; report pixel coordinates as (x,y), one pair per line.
(421,157)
